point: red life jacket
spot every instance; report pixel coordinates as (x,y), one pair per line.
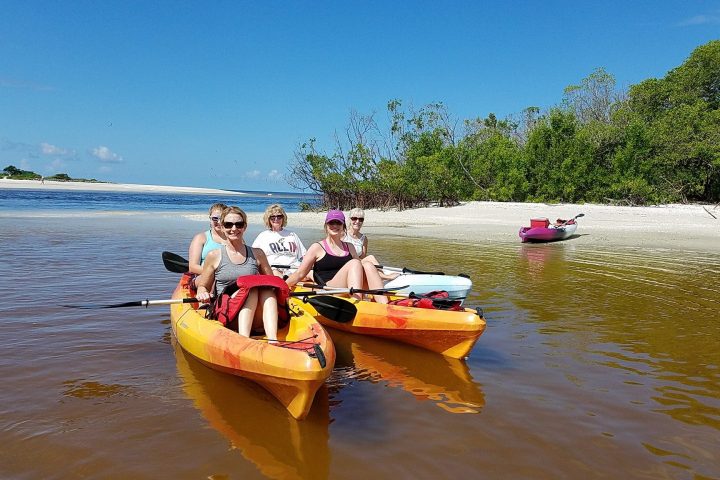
(438,299)
(228,304)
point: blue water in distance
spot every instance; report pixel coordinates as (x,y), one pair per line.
(36,200)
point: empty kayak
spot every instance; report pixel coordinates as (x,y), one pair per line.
(540,230)
(291,370)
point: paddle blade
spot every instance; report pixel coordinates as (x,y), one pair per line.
(418,272)
(175,263)
(333,308)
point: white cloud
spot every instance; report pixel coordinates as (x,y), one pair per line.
(274,175)
(252,174)
(711,19)
(106,155)
(48,149)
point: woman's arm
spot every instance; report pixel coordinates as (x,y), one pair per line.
(206,280)
(307,264)
(195,252)
(262,261)
(364,247)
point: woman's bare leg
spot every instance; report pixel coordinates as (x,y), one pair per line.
(247,313)
(268,318)
(374,281)
(370,259)
(349,276)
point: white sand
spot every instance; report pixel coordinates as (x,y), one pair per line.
(108,187)
(683,227)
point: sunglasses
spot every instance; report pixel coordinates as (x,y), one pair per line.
(277,217)
(215,219)
(334,223)
(357,219)
(238,225)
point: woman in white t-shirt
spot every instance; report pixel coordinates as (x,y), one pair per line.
(283,248)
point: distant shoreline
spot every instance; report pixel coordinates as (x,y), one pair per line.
(109,187)
(683,227)
(679,227)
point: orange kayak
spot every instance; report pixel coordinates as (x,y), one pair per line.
(452,333)
(292,370)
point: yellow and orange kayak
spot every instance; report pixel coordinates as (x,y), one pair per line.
(452,333)
(291,370)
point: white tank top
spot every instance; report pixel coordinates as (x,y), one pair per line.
(356,242)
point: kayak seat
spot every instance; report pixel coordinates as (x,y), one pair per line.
(539,223)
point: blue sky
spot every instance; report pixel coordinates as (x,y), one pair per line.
(220,93)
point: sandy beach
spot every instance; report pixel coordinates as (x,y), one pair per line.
(108,187)
(685,227)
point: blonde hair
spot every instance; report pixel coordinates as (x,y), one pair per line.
(357,212)
(274,209)
(217,206)
(236,210)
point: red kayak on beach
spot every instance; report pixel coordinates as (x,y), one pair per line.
(540,230)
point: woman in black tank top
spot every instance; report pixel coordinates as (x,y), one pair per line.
(336,264)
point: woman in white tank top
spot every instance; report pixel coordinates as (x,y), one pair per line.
(360,241)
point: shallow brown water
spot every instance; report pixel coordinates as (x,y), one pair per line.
(596,364)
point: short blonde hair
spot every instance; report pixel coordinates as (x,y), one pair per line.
(274,209)
(236,210)
(357,212)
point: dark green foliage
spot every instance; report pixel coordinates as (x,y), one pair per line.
(17,174)
(61,177)
(658,143)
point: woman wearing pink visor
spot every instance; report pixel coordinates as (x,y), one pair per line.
(335,263)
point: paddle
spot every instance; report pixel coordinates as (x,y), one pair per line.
(575,217)
(339,290)
(175,263)
(406,270)
(385,267)
(334,308)
(139,303)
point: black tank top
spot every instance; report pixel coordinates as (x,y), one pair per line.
(329,265)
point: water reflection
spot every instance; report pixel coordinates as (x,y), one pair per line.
(428,377)
(652,316)
(263,433)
